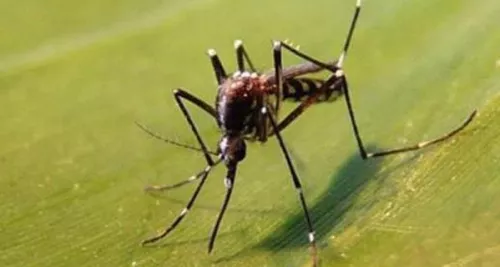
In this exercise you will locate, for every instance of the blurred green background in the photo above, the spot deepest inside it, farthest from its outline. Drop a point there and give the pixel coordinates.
(75, 75)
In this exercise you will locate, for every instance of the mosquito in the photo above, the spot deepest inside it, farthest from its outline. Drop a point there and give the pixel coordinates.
(246, 108)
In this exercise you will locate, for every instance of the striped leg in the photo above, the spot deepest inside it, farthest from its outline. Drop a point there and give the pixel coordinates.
(179, 96)
(203, 175)
(420, 145)
(229, 183)
(338, 79)
(330, 83)
(296, 183)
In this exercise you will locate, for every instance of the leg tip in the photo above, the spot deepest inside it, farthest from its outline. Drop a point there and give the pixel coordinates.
(474, 113)
(470, 118)
(149, 188)
(151, 240)
(211, 52)
(276, 44)
(238, 43)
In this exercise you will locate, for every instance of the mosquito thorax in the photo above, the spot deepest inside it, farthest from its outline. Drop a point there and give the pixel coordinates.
(244, 85)
(232, 149)
(237, 100)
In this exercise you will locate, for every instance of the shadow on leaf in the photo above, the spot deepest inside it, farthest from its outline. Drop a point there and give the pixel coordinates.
(329, 209)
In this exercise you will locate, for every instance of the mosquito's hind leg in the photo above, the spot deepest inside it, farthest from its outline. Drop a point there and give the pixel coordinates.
(420, 145)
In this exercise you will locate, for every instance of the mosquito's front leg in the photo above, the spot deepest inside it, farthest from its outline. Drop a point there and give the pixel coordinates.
(220, 73)
(242, 57)
(181, 95)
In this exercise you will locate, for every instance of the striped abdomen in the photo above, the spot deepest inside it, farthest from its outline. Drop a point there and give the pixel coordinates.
(297, 89)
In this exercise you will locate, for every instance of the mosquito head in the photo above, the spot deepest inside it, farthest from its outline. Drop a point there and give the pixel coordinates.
(232, 149)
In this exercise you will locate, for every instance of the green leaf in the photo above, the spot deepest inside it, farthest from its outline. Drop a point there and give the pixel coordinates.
(73, 165)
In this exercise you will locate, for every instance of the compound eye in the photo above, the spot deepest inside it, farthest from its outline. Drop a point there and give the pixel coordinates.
(239, 151)
(232, 149)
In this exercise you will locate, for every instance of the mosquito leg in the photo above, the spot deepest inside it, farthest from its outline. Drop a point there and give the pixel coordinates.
(203, 175)
(349, 34)
(296, 182)
(344, 51)
(332, 81)
(278, 73)
(362, 149)
(306, 103)
(345, 88)
(179, 95)
(428, 142)
(302, 55)
(220, 73)
(229, 183)
(339, 79)
(311, 99)
(179, 184)
(242, 57)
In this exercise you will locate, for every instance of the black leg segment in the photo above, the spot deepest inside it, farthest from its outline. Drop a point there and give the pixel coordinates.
(220, 73)
(242, 57)
(229, 183)
(420, 145)
(179, 96)
(296, 183)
